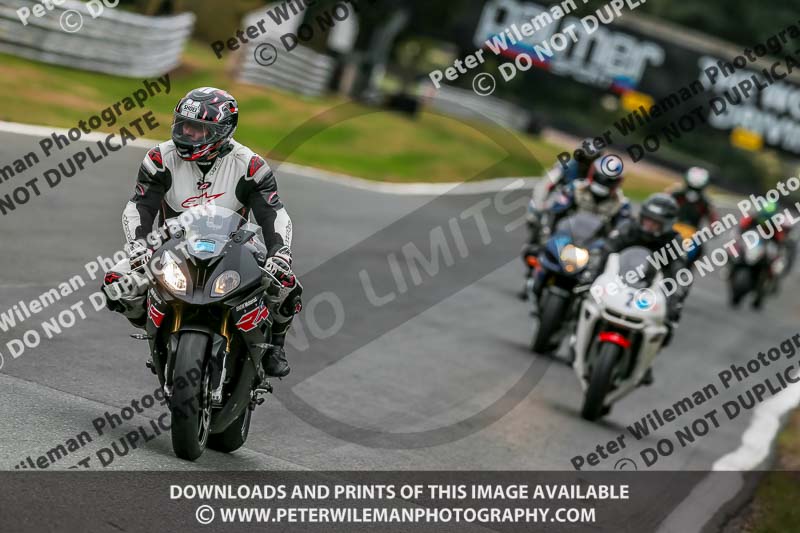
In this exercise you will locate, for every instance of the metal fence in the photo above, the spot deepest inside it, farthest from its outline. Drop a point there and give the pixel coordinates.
(115, 42)
(466, 104)
(300, 70)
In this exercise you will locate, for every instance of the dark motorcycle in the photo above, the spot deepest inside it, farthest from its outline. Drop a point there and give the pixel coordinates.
(558, 267)
(207, 321)
(756, 268)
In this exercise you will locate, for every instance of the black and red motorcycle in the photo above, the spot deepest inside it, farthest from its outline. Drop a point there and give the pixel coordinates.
(207, 321)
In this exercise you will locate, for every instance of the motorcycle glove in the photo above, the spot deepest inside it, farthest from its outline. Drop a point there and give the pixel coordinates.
(138, 254)
(278, 277)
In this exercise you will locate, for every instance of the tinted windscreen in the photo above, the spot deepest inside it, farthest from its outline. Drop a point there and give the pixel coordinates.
(582, 227)
(634, 260)
(208, 228)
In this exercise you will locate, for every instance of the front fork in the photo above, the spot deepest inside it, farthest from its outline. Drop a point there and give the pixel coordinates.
(252, 322)
(219, 354)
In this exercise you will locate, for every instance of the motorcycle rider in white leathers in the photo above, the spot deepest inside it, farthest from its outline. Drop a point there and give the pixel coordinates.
(202, 164)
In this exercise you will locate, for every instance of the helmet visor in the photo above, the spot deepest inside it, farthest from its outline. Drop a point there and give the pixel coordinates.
(195, 132)
(651, 225)
(599, 189)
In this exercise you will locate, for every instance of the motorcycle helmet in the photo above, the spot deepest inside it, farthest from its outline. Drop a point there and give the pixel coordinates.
(696, 178)
(602, 183)
(657, 216)
(204, 122)
(586, 159)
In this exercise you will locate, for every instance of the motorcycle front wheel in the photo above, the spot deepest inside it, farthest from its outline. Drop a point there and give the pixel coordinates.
(551, 318)
(600, 381)
(191, 398)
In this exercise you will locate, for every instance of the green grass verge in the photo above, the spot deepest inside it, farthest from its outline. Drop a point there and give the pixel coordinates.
(774, 508)
(372, 144)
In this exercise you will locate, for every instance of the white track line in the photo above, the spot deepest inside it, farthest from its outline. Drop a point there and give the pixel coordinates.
(44, 131)
(408, 189)
(715, 490)
(764, 427)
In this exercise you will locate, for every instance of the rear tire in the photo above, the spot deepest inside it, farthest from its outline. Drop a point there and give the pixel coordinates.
(551, 318)
(191, 398)
(600, 381)
(234, 436)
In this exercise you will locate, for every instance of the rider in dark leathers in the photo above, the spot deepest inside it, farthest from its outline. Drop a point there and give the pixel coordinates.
(652, 230)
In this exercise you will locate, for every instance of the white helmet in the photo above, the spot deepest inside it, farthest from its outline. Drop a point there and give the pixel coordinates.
(697, 178)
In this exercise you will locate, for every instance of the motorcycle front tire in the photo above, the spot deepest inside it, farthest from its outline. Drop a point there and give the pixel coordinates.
(551, 318)
(191, 398)
(600, 381)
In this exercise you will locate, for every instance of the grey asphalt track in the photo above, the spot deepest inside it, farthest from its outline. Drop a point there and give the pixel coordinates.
(447, 363)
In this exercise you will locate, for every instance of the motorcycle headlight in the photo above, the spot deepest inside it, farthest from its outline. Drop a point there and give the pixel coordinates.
(225, 283)
(574, 258)
(172, 276)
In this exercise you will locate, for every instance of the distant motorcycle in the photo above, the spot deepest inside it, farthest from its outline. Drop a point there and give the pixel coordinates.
(561, 262)
(207, 325)
(756, 267)
(621, 327)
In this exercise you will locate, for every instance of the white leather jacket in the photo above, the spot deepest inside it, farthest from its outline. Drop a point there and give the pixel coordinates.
(238, 179)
